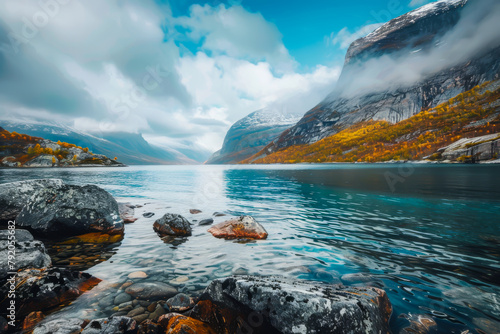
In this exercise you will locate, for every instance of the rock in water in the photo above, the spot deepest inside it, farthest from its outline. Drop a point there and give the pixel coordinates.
(113, 325)
(30, 253)
(172, 224)
(15, 195)
(180, 303)
(126, 212)
(295, 306)
(151, 291)
(71, 210)
(148, 214)
(194, 211)
(59, 326)
(244, 227)
(208, 221)
(179, 324)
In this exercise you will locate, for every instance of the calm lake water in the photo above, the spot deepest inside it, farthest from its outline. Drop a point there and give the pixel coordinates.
(428, 234)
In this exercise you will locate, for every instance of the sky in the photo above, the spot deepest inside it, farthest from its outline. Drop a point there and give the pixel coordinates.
(179, 72)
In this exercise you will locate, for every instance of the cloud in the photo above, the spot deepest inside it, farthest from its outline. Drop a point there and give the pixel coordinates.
(476, 32)
(344, 37)
(105, 66)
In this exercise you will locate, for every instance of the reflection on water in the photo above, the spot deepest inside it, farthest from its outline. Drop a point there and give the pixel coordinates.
(431, 240)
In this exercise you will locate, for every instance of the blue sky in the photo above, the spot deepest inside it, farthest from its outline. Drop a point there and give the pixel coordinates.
(179, 72)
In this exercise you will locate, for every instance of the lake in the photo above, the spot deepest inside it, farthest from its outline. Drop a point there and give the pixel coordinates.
(427, 234)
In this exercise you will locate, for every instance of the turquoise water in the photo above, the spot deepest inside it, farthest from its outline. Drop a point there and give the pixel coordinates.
(428, 234)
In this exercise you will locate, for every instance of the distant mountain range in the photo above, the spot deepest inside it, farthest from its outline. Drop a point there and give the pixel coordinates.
(251, 134)
(412, 63)
(130, 148)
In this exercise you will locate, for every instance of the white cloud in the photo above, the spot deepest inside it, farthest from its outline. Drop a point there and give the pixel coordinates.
(344, 37)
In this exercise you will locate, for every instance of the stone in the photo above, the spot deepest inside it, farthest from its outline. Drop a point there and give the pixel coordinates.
(179, 324)
(112, 325)
(41, 290)
(152, 307)
(15, 195)
(208, 221)
(172, 224)
(59, 326)
(296, 306)
(137, 274)
(136, 311)
(238, 228)
(151, 291)
(158, 312)
(419, 324)
(148, 214)
(179, 280)
(140, 318)
(149, 327)
(30, 253)
(218, 214)
(121, 299)
(194, 211)
(180, 303)
(71, 210)
(32, 320)
(126, 212)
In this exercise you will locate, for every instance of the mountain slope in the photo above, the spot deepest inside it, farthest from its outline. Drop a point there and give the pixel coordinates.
(440, 133)
(251, 134)
(128, 147)
(411, 63)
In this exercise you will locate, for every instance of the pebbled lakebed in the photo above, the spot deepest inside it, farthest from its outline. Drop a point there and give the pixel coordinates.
(429, 235)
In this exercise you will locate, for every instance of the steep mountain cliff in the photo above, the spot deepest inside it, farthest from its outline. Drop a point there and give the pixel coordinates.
(251, 134)
(409, 64)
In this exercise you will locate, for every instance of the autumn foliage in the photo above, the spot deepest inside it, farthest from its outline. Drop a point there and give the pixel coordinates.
(470, 114)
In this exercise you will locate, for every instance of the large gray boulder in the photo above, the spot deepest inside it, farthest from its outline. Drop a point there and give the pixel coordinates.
(30, 253)
(15, 195)
(295, 306)
(172, 225)
(71, 210)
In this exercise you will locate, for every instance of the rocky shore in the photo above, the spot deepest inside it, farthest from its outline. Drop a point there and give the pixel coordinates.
(62, 230)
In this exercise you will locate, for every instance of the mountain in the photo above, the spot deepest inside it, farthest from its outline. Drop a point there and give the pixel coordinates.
(21, 150)
(128, 147)
(412, 63)
(251, 134)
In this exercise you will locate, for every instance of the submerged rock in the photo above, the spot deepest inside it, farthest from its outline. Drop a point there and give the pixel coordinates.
(283, 305)
(15, 195)
(194, 211)
(180, 303)
(151, 291)
(208, 221)
(30, 253)
(148, 214)
(111, 326)
(126, 212)
(71, 210)
(244, 227)
(172, 224)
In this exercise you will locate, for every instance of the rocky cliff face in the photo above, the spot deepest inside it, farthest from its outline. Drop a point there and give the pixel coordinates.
(251, 134)
(411, 63)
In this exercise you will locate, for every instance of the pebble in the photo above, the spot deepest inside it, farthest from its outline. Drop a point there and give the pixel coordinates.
(148, 214)
(158, 312)
(138, 274)
(208, 221)
(136, 311)
(140, 318)
(122, 298)
(179, 280)
(152, 307)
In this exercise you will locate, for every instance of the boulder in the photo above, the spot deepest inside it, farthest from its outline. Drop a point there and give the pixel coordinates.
(244, 227)
(294, 306)
(43, 160)
(41, 290)
(151, 290)
(180, 303)
(59, 326)
(172, 224)
(179, 324)
(30, 253)
(15, 195)
(71, 210)
(117, 324)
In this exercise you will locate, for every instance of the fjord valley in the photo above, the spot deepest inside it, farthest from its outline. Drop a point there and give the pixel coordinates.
(286, 167)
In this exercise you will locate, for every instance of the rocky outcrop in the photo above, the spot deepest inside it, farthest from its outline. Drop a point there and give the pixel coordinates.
(41, 290)
(15, 195)
(172, 225)
(244, 227)
(279, 305)
(473, 149)
(371, 88)
(29, 253)
(251, 134)
(65, 210)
